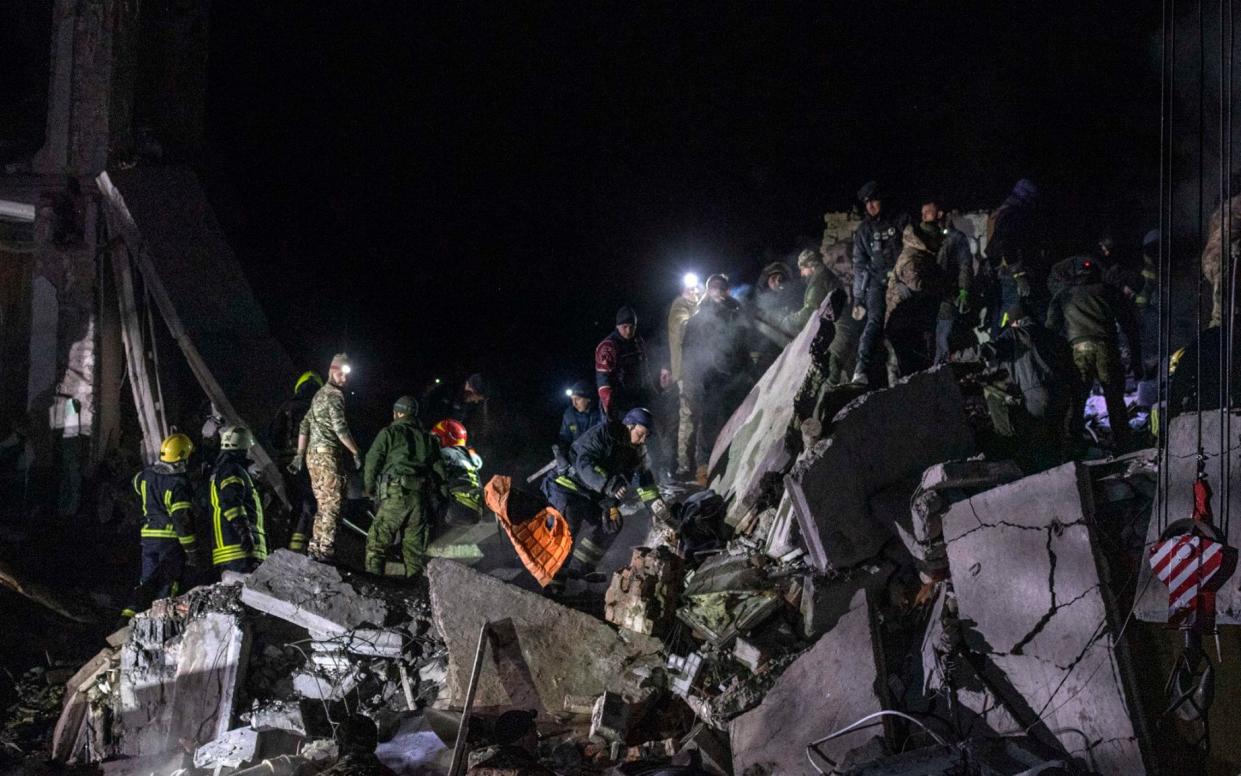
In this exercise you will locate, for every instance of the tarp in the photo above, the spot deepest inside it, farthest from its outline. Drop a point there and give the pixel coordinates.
(539, 533)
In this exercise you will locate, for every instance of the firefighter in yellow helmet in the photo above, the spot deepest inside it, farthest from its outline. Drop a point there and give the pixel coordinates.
(168, 540)
(239, 537)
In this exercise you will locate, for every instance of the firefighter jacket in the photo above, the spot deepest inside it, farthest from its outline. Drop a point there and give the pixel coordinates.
(324, 423)
(575, 423)
(876, 245)
(462, 466)
(621, 373)
(166, 504)
(238, 530)
(403, 452)
(604, 454)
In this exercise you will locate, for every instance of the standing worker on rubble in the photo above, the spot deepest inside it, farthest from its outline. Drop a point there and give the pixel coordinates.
(168, 539)
(404, 471)
(819, 283)
(679, 313)
(238, 533)
(956, 267)
(622, 374)
(1017, 252)
(282, 433)
(607, 462)
(1088, 312)
(323, 439)
(580, 416)
(876, 245)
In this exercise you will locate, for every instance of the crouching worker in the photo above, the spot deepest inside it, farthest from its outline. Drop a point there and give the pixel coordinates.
(239, 535)
(605, 464)
(461, 465)
(168, 540)
(403, 469)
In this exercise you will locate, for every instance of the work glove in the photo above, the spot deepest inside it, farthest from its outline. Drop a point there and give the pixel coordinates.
(661, 512)
(859, 312)
(357, 462)
(612, 519)
(963, 301)
(295, 466)
(616, 488)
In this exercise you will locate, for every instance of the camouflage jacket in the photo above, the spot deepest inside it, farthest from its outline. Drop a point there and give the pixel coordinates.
(324, 423)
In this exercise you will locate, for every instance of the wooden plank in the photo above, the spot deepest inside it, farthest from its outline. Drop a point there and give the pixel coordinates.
(150, 414)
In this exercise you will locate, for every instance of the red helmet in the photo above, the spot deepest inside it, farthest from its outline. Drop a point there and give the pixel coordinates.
(450, 433)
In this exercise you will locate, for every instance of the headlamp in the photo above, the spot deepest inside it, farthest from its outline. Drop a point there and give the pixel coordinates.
(345, 369)
(690, 280)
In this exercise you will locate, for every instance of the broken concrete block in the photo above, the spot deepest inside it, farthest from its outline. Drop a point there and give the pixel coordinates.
(824, 601)
(609, 717)
(1035, 616)
(749, 654)
(284, 716)
(117, 638)
(230, 750)
(1152, 606)
(783, 536)
(553, 650)
(67, 736)
(310, 594)
(184, 689)
(752, 443)
(325, 686)
(830, 486)
(643, 596)
(829, 686)
(713, 749)
(688, 671)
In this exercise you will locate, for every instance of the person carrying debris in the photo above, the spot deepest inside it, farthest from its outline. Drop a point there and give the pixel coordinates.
(323, 438)
(607, 461)
(282, 433)
(240, 538)
(168, 539)
(876, 245)
(715, 366)
(1032, 390)
(403, 472)
(1088, 312)
(679, 313)
(461, 468)
(580, 416)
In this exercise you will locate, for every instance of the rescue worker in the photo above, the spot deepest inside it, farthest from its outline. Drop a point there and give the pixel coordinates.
(775, 295)
(912, 298)
(622, 375)
(323, 439)
(1017, 252)
(580, 416)
(169, 543)
(404, 470)
(467, 404)
(956, 272)
(283, 433)
(1088, 312)
(607, 462)
(715, 367)
(876, 246)
(679, 312)
(238, 533)
(1032, 392)
(819, 282)
(461, 468)
(1213, 251)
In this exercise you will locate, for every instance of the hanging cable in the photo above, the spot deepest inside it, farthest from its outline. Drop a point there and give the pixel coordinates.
(1163, 403)
(1226, 226)
(1199, 389)
(1221, 284)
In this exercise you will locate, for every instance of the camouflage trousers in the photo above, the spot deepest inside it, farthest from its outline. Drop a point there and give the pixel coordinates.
(1100, 360)
(685, 433)
(328, 480)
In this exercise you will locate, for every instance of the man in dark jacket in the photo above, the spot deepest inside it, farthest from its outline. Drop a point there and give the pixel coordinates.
(956, 267)
(1017, 252)
(282, 433)
(607, 462)
(622, 374)
(1033, 390)
(580, 416)
(1087, 312)
(876, 246)
(403, 471)
(715, 366)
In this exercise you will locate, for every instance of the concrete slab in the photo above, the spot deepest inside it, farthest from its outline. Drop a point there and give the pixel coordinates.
(310, 594)
(830, 686)
(542, 651)
(751, 444)
(830, 486)
(1152, 606)
(1035, 616)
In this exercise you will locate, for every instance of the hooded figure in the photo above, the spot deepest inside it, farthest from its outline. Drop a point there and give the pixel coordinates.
(1016, 251)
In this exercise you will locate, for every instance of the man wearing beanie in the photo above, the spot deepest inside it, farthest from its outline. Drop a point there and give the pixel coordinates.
(622, 375)
(876, 245)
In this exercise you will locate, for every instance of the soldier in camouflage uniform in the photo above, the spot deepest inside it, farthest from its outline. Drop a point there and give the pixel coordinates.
(1213, 251)
(323, 440)
(403, 470)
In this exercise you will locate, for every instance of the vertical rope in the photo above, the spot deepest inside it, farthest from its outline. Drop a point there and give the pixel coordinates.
(1227, 31)
(1225, 325)
(1166, 244)
(1201, 174)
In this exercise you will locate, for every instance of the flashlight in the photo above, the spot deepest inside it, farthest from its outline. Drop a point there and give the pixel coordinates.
(690, 280)
(568, 392)
(438, 381)
(345, 369)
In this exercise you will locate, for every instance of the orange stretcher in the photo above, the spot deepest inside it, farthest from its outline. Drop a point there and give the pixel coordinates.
(539, 533)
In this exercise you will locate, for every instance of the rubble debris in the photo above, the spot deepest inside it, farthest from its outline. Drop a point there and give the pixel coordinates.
(242, 746)
(313, 595)
(643, 596)
(69, 735)
(609, 717)
(1037, 626)
(285, 716)
(831, 484)
(749, 654)
(752, 443)
(555, 651)
(827, 688)
(824, 600)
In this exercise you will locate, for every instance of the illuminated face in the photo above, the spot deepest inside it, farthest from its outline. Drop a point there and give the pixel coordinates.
(806, 271)
(638, 434)
(774, 281)
(873, 206)
(930, 213)
(581, 403)
(717, 291)
(339, 375)
(627, 330)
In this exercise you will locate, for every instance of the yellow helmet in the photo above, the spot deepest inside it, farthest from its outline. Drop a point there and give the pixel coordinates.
(305, 378)
(175, 448)
(1175, 360)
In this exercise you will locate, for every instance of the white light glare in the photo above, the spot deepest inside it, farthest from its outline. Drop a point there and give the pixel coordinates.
(346, 369)
(690, 280)
(568, 392)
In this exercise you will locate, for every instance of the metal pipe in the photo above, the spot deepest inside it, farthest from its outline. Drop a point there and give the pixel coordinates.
(458, 751)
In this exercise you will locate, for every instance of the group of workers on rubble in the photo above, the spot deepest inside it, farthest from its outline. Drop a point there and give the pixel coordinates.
(912, 294)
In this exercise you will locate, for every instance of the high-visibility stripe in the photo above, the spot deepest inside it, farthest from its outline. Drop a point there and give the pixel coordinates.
(565, 482)
(215, 516)
(186, 541)
(233, 512)
(127, 612)
(229, 553)
(158, 533)
(466, 499)
(234, 480)
(178, 505)
(648, 494)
